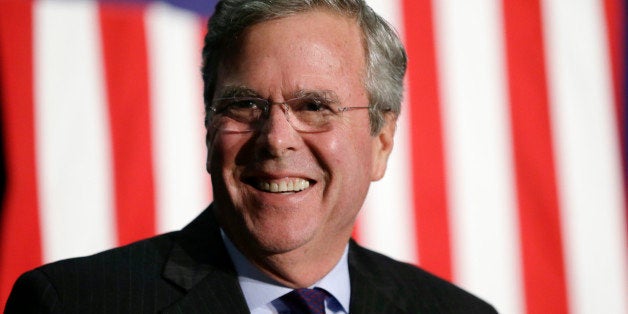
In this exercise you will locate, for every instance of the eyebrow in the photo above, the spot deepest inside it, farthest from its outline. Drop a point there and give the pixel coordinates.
(238, 91)
(243, 91)
(328, 96)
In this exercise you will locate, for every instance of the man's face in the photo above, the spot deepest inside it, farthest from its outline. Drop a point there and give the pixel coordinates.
(277, 60)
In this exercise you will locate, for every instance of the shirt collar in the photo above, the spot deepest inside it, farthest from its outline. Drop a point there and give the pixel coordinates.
(260, 290)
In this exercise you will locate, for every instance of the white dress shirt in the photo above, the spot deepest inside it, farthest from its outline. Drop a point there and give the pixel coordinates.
(262, 293)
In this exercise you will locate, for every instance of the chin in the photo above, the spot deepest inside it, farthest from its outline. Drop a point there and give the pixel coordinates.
(282, 238)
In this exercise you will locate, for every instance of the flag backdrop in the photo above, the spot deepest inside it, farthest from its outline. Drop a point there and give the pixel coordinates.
(507, 178)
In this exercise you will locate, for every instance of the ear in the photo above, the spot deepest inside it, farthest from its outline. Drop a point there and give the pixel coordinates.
(382, 146)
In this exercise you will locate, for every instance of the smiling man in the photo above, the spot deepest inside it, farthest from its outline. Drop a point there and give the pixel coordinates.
(300, 136)
(302, 98)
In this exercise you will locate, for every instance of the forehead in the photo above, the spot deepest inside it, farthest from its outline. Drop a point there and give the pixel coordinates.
(311, 50)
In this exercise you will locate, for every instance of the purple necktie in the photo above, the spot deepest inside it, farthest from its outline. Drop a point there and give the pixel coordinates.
(307, 301)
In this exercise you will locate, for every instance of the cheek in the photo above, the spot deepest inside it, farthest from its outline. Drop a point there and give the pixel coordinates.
(333, 148)
(346, 157)
(222, 153)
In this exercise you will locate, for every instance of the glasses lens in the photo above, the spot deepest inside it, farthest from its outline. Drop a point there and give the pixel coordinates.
(311, 114)
(237, 114)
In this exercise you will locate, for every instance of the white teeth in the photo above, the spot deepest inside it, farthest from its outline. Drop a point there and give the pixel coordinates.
(288, 185)
(305, 184)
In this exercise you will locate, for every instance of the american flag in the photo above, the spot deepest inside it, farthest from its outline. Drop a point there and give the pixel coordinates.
(508, 175)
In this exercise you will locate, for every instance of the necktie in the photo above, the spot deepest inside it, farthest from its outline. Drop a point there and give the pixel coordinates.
(306, 301)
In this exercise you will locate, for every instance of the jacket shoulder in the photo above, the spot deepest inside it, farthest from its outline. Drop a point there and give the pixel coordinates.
(412, 287)
(115, 281)
(141, 257)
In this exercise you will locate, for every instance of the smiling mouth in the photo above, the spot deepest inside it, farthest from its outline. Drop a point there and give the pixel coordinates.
(284, 185)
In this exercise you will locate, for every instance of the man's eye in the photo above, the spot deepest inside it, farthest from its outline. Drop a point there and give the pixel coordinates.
(312, 105)
(243, 104)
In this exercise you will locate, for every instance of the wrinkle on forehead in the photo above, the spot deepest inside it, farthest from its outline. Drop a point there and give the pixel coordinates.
(332, 46)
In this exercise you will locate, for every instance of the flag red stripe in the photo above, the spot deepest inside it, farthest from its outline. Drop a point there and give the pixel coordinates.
(615, 32)
(613, 10)
(428, 168)
(126, 71)
(539, 218)
(20, 246)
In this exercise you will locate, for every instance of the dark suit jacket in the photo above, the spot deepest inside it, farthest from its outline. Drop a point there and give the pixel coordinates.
(189, 271)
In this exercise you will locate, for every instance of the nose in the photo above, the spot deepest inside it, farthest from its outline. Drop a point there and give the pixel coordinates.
(284, 107)
(277, 136)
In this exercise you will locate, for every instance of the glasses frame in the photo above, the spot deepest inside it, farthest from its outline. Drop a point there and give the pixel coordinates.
(286, 107)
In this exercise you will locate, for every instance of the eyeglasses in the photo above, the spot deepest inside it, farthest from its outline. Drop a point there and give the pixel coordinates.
(305, 114)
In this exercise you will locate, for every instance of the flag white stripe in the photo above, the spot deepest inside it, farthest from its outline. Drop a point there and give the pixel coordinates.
(477, 143)
(588, 156)
(182, 184)
(388, 217)
(72, 131)
(390, 10)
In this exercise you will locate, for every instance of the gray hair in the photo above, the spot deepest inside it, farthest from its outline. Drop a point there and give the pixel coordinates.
(385, 56)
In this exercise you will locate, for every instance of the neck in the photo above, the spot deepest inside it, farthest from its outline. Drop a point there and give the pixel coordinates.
(299, 268)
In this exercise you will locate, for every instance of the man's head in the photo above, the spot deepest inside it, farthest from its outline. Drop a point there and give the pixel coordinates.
(385, 55)
(293, 174)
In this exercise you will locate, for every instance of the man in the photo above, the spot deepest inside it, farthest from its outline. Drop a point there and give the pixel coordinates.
(302, 98)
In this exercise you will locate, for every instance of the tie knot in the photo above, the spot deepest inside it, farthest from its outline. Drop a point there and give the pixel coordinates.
(310, 301)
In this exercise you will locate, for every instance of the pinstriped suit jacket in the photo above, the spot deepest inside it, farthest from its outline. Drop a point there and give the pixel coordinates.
(189, 271)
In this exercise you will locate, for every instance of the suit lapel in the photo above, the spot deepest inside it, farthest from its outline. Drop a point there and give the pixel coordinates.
(215, 293)
(199, 265)
(369, 294)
